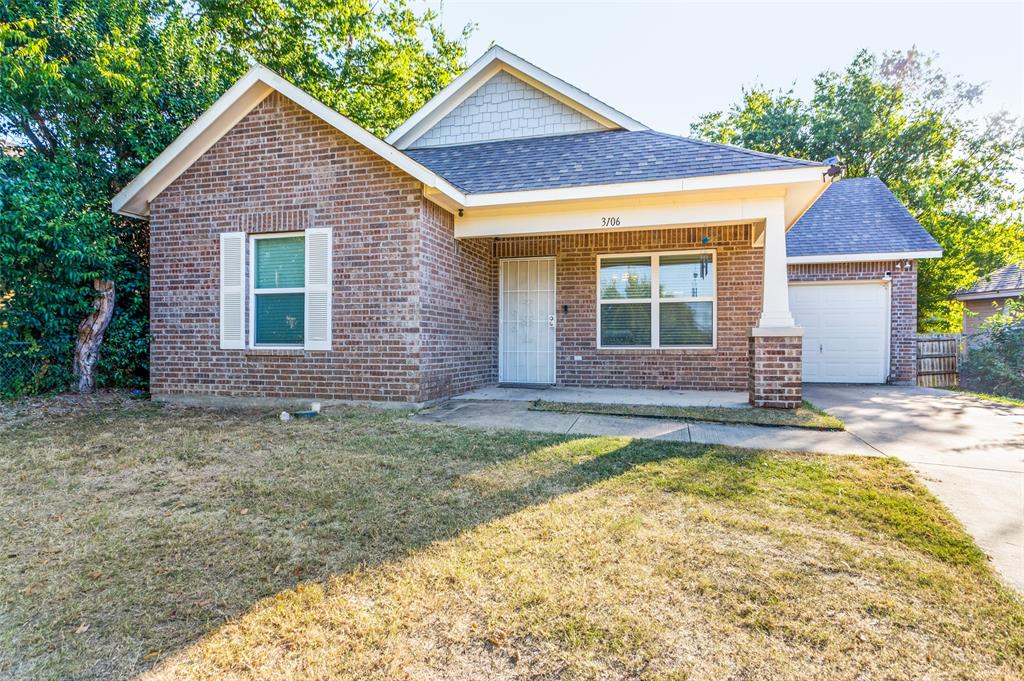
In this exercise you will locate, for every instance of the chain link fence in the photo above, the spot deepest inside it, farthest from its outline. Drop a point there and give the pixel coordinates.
(27, 367)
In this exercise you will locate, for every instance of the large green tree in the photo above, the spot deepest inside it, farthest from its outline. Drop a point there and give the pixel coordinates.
(92, 90)
(903, 119)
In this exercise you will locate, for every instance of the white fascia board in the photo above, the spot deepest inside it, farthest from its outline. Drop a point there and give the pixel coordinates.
(479, 72)
(985, 295)
(226, 112)
(861, 257)
(703, 183)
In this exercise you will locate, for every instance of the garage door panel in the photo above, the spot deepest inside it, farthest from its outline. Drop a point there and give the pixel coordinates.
(845, 331)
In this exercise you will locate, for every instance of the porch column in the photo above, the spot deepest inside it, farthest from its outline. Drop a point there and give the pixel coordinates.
(776, 344)
(775, 289)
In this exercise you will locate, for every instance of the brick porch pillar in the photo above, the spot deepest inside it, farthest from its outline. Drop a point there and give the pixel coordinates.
(775, 370)
(776, 345)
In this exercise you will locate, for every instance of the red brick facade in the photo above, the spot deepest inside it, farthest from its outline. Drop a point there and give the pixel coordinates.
(415, 312)
(774, 372)
(458, 308)
(903, 298)
(739, 268)
(283, 169)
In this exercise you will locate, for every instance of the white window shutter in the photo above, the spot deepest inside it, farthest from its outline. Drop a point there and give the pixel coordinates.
(319, 282)
(232, 290)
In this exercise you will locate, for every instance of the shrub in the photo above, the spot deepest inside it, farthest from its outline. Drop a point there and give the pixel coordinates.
(996, 363)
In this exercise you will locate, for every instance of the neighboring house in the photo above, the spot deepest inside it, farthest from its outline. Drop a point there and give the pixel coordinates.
(991, 295)
(513, 230)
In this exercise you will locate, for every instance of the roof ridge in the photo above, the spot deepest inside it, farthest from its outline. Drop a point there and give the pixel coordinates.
(732, 147)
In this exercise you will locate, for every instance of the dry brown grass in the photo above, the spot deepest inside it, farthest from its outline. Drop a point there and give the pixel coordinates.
(229, 545)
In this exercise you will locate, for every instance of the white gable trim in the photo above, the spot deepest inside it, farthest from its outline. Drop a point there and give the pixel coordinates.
(498, 59)
(226, 112)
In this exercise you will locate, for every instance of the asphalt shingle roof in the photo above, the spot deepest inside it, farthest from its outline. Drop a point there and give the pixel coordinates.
(1008, 278)
(857, 215)
(605, 157)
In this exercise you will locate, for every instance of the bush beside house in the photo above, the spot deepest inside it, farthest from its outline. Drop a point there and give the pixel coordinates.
(994, 362)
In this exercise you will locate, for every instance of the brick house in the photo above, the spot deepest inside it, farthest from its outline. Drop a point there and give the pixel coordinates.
(513, 230)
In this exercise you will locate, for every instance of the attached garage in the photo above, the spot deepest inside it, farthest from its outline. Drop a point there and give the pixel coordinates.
(846, 330)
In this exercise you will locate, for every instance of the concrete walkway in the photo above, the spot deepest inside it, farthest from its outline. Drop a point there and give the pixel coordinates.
(516, 415)
(969, 452)
(663, 398)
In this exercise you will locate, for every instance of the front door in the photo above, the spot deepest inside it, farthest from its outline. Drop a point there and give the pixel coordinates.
(526, 316)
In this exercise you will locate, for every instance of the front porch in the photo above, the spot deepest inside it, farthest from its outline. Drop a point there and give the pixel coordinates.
(682, 290)
(672, 316)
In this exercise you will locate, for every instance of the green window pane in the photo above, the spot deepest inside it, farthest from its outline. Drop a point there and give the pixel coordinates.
(626, 324)
(280, 318)
(686, 276)
(684, 324)
(625, 278)
(280, 263)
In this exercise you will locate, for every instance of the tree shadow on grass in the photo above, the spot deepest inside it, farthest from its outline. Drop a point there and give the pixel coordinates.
(132, 534)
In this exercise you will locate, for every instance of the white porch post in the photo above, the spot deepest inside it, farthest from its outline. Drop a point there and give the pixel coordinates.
(775, 314)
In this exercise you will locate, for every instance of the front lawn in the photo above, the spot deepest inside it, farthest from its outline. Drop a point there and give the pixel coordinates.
(201, 544)
(804, 416)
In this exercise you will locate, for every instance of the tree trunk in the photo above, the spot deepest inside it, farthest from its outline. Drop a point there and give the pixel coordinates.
(90, 335)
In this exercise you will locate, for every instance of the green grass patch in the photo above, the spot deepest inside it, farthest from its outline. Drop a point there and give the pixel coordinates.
(999, 399)
(805, 416)
(183, 543)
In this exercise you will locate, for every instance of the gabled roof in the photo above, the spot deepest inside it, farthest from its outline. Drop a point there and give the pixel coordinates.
(226, 112)
(858, 219)
(591, 158)
(1005, 282)
(479, 72)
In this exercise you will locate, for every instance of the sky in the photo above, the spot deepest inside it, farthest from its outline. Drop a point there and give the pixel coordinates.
(666, 63)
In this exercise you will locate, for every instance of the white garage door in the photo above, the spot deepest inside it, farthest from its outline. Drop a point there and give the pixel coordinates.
(845, 331)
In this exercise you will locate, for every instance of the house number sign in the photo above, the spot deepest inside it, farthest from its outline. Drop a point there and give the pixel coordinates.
(611, 221)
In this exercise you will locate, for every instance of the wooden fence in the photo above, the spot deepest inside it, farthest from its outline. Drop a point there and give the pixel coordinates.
(938, 357)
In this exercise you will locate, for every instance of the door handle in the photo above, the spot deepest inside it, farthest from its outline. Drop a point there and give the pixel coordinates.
(551, 320)
(820, 348)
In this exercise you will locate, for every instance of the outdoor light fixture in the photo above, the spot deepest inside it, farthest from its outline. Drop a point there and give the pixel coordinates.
(835, 167)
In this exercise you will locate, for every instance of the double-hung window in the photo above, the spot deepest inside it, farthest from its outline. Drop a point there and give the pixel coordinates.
(657, 300)
(278, 289)
(288, 279)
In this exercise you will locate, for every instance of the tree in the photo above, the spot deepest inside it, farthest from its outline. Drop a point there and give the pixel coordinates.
(901, 118)
(92, 90)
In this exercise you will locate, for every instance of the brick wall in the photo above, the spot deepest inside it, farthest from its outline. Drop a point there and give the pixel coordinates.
(903, 292)
(459, 322)
(774, 376)
(739, 304)
(282, 169)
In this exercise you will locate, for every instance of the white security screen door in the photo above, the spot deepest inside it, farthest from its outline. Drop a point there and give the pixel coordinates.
(526, 315)
(846, 331)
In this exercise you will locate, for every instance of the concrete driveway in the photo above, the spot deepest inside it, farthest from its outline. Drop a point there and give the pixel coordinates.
(969, 452)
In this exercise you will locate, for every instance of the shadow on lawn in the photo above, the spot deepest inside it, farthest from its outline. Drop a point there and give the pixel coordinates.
(168, 522)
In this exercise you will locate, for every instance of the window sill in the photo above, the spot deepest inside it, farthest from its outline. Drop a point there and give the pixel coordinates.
(641, 348)
(275, 352)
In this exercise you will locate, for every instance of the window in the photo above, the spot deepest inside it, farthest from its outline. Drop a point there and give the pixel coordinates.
(657, 300)
(278, 290)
